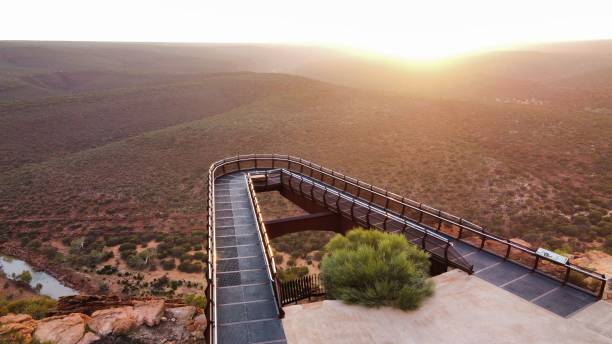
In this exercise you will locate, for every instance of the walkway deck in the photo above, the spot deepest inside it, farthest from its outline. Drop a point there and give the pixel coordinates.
(531, 286)
(246, 310)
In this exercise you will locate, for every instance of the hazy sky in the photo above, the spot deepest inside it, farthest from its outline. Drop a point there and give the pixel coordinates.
(428, 28)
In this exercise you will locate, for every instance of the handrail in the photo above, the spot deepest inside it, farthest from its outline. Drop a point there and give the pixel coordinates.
(428, 238)
(267, 247)
(299, 165)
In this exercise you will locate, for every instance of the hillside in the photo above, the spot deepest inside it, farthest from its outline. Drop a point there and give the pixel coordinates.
(106, 157)
(44, 128)
(520, 170)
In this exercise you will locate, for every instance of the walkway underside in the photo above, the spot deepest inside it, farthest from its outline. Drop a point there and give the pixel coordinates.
(244, 303)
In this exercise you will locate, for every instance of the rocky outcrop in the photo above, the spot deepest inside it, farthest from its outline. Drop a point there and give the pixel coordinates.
(174, 324)
(17, 325)
(87, 304)
(68, 329)
(14, 318)
(88, 338)
(113, 320)
(182, 313)
(149, 312)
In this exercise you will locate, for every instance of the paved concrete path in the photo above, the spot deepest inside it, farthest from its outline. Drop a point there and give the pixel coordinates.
(463, 309)
(246, 310)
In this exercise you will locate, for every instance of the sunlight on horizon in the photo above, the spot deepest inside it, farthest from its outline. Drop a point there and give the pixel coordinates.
(414, 30)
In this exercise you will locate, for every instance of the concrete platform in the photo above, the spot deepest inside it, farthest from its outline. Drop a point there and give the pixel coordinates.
(464, 309)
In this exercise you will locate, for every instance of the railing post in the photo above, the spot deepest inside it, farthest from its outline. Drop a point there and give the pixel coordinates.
(446, 251)
(300, 186)
(386, 219)
(567, 274)
(535, 265)
(386, 199)
(421, 214)
(324, 194)
(312, 193)
(508, 249)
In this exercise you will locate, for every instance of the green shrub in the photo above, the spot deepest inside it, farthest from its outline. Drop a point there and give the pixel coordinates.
(38, 307)
(127, 247)
(190, 266)
(168, 264)
(107, 270)
(292, 273)
(201, 256)
(195, 300)
(25, 277)
(374, 269)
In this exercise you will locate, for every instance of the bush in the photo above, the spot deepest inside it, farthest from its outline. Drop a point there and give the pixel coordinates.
(190, 266)
(375, 269)
(38, 307)
(168, 264)
(201, 256)
(136, 262)
(127, 247)
(195, 300)
(292, 273)
(25, 277)
(107, 270)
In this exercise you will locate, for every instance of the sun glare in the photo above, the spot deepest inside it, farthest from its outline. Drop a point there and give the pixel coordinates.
(419, 30)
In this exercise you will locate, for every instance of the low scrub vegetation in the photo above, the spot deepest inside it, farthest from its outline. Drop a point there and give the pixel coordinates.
(38, 307)
(374, 268)
(292, 273)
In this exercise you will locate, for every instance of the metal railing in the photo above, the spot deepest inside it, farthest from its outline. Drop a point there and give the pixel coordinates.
(430, 218)
(301, 288)
(267, 247)
(371, 216)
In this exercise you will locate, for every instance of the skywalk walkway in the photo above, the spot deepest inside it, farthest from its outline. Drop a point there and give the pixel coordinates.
(244, 302)
(246, 309)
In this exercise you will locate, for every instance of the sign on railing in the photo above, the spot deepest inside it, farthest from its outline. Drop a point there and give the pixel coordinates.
(552, 255)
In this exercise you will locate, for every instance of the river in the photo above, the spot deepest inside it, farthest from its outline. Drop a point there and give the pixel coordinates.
(50, 285)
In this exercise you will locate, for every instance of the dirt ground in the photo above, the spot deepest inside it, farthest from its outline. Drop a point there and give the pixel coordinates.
(149, 276)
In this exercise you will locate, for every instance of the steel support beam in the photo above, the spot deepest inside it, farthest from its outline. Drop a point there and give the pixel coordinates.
(321, 221)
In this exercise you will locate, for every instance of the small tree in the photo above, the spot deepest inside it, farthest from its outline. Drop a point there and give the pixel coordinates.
(25, 277)
(375, 269)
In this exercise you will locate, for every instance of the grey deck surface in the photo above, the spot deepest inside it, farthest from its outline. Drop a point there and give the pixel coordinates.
(246, 310)
(531, 286)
